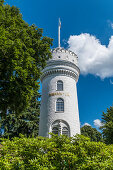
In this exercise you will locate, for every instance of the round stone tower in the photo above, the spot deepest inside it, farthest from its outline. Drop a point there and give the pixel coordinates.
(59, 105)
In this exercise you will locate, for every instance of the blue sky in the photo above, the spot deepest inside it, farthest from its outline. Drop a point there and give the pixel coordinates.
(87, 29)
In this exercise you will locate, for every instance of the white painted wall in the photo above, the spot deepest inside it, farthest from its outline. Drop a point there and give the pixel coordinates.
(48, 112)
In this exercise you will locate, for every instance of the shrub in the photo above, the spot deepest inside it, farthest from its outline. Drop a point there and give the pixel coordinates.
(56, 153)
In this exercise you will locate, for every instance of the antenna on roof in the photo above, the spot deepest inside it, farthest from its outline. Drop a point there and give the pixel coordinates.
(59, 26)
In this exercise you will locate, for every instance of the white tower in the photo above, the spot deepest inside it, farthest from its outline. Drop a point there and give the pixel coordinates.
(59, 105)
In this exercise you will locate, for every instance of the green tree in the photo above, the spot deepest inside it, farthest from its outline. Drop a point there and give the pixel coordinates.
(107, 126)
(23, 53)
(26, 123)
(92, 133)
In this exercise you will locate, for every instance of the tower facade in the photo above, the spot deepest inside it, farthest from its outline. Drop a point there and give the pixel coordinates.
(59, 104)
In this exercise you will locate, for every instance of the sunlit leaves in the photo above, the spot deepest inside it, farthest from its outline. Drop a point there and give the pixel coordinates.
(92, 133)
(23, 54)
(55, 153)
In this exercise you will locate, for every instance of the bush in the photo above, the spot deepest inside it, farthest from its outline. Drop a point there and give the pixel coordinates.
(56, 153)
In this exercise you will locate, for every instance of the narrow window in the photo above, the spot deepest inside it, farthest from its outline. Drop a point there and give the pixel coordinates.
(65, 131)
(60, 105)
(59, 85)
(55, 130)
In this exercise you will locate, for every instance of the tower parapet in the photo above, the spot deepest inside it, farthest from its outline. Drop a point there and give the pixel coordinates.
(64, 54)
(62, 61)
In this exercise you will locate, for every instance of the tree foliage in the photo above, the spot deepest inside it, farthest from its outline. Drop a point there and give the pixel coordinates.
(23, 54)
(56, 153)
(26, 123)
(92, 133)
(107, 126)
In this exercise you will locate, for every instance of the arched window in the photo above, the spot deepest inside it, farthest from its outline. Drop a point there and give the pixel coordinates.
(59, 105)
(55, 130)
(60, 85)
(60, 127)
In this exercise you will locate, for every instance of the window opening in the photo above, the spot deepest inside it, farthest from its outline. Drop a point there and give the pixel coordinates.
(59, 85)
(60, 105)
(60, 127)
(65, 131)
(55, 130)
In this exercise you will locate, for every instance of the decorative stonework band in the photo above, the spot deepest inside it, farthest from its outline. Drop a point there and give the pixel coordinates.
(62, 63)
(61, 72)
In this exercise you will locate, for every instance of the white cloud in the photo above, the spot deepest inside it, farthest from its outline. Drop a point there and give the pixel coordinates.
(97, 123)
(111, 82)
(93, 57)
(110, 23)
(87, 124)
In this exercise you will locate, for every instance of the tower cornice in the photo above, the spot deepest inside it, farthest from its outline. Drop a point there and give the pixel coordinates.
(62, 63)
(60, 71)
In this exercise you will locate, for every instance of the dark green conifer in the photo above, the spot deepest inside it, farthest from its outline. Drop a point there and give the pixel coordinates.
(26, 123)
(107, 126)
